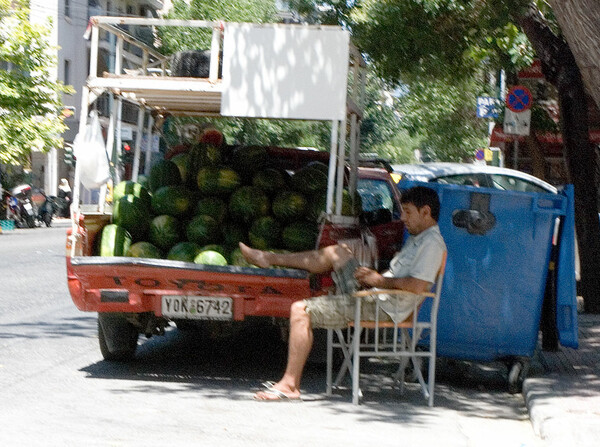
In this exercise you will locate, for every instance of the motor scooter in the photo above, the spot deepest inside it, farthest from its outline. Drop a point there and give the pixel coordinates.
(22, 206)
(47, 209)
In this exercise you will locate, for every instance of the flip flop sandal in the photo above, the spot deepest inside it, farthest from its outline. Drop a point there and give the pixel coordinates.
(280, 396)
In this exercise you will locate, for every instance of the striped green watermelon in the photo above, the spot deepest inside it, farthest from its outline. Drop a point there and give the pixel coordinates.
(165, 231)
(349, 208)
(236, 258)
(133, 214)
(182, 161)
(217, 181)
(215, 247)
(248, 203)
(234, 233)
(143, 250)
(310, 179)
(184, 251)
(130, 187)
(265, 233)
(213, 207)
(164, 173)
(172, 200)
(300, 236)
(270, 180)
(114, 241)
(247, 160)
(210, 257)
(289, 206)
(203, 230)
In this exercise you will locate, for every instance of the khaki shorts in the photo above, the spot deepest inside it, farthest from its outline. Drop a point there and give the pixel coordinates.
(336, 311)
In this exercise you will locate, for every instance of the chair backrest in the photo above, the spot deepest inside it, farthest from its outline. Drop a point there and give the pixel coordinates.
(439, 282)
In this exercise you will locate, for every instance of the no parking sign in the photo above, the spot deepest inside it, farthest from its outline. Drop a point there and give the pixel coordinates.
(519, 99)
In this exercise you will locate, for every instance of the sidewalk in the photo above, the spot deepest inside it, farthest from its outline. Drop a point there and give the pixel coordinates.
(564, 399)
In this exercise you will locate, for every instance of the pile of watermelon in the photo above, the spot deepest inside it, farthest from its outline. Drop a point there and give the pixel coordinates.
(200, 201)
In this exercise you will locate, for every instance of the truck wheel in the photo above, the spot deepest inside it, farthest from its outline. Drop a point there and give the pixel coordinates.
(117, 337)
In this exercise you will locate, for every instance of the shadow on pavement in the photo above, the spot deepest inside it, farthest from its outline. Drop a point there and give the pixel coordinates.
(234, 368)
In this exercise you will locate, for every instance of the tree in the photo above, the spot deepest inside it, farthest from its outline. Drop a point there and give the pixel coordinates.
(449, 40)
(30, 100)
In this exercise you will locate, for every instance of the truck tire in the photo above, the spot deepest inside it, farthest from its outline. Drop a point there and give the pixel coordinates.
(117, 337)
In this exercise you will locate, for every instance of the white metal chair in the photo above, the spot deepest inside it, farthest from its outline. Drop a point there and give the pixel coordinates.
(367, 338)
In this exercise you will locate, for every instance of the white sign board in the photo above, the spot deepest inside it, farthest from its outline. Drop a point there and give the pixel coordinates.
(284, 71)
(517, 123)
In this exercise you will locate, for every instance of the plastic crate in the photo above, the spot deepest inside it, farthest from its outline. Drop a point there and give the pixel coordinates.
(7, 225)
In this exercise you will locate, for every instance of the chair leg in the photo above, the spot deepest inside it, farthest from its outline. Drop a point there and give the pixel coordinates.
(329, 371)
(356, 366)
(431, 382)
(346, 351)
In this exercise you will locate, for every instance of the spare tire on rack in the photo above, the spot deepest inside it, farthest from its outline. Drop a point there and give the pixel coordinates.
(193, 64)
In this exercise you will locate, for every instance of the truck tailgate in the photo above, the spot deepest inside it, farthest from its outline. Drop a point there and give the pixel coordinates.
(120, 284)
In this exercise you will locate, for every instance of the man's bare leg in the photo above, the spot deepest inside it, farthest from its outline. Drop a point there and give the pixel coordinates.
(315, 261)
(300, 344)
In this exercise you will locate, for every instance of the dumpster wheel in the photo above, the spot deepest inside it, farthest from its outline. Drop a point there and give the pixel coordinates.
(517, 371)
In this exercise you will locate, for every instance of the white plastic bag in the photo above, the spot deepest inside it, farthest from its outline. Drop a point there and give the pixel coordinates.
(90, 151)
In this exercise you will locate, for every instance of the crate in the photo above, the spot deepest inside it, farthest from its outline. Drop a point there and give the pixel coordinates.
(7, 225)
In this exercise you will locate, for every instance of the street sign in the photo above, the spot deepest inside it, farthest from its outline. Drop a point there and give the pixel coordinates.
(487, 107)
(479, 154)
(519, 99)
(517, 123)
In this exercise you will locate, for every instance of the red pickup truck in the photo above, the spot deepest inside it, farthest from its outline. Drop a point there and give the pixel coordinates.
(137, 295)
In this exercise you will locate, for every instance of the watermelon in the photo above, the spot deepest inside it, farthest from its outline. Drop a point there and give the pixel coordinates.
(176, 150)
(115, 241)
(265, 233)
(213, 207)
(182, 161)
(319, 202)
(212, 137)
(143, 250)
(165, 231)
(234, 233)
(270, 180)
(131, 187)
(236, 258)
(248, 203)
(289, 206)
(164, 173)
(184, 251)
(172, 200)
(210, 257)
(300, 236)
(143, 180)
(247, 160)
(132, 213)
(217, 181)
(309, 179)
(203, 230)
(215, 247)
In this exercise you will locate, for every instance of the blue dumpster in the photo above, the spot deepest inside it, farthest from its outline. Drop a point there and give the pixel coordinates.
(499, 246)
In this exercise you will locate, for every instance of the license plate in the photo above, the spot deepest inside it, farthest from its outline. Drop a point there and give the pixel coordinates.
(197, 307)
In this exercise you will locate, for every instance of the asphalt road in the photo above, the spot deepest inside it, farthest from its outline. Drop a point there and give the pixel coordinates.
(187, 389)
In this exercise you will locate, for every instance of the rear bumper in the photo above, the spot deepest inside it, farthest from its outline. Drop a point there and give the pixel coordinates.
(100, 284)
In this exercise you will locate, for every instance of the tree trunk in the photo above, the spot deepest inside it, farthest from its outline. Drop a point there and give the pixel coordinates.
(580, 23)
(559, 67)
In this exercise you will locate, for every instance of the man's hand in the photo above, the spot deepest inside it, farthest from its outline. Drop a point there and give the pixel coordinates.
(368, 277)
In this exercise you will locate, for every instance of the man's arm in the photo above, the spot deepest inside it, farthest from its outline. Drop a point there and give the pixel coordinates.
(371, 278)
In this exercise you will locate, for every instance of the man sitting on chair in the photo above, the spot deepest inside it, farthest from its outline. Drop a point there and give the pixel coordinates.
(413, 270)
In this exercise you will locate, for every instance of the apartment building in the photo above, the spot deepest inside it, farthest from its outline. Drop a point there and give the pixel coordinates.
(69, 20)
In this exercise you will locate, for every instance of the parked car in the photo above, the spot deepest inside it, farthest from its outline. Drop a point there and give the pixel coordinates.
(472, 174)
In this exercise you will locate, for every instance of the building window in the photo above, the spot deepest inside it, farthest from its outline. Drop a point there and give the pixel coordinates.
(67, 74)
(67, 8)
(130, 10)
